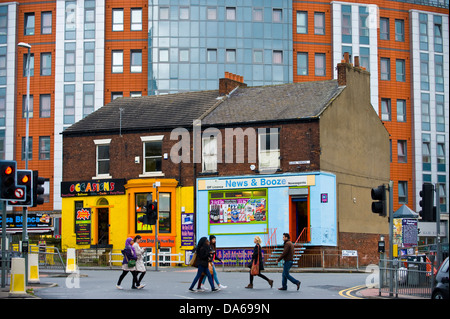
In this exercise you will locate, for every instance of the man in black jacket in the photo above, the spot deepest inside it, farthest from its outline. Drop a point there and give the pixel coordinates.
(288, 256)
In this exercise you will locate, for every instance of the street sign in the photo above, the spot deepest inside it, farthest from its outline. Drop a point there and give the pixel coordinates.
(349, 253)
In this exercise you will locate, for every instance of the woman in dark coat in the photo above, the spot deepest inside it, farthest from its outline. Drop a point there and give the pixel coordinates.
(257, 255)
(203, 257)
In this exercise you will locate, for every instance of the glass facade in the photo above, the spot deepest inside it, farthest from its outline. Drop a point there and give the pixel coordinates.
(193, 43)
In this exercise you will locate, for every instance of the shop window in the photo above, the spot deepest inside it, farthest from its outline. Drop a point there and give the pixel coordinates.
(164, 213)
(238, 207)
(140, 210)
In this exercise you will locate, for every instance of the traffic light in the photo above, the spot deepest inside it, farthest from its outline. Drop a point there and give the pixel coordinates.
(8, 188)
(379, 196)
(38, 189)
(25, 179)
(426, 202)
(152, 212)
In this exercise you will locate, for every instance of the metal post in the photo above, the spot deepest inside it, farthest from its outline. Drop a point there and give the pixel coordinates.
(3, 203)
(156, 228)
(391, 225)
(438, 227)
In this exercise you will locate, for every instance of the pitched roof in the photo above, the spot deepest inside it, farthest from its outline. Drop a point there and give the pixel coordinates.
(147, 113)
(279, 102)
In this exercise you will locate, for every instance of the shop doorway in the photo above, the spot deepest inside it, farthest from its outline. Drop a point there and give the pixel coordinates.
(103, 227)
(300, 218)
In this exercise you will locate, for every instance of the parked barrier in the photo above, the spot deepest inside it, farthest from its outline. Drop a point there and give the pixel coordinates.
(17, 285)
(33, 268)
(71, 261)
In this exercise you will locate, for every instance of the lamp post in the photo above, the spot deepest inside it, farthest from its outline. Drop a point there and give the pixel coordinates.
(27, 132)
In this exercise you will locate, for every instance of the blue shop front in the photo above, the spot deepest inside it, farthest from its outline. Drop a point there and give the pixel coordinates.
(237, 208)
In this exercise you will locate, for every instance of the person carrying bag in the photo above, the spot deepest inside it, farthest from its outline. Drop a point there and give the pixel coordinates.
(257, 264)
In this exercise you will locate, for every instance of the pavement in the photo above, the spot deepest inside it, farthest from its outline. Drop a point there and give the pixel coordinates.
(365, 293)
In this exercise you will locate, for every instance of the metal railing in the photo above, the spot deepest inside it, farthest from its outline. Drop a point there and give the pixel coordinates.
(405, 278)
(165, 258)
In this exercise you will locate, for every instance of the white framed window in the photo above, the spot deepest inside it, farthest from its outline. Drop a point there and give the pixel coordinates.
(136, 61)
(136, 19)
(117, 61)
(269, 149)
(152, 155)
(231, 13)
(102, 159)
(209, 154)
(117, 19)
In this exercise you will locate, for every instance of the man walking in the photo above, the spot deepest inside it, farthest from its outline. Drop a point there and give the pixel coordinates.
(288, 256)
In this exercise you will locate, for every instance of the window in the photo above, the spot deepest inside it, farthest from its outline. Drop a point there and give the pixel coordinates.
(30, 148)
(69, 104)
(439, 72)
(399, 30)
(440, 113)
(424, 78)
(385, 69)
(437, 29)
(89, 61)
(24, 107)
(69, 61)
(230, 56)
(136, 19)
(136, 61)
(319, 64)
(401, 110)
(425, 105)
(423, 31)
(117, 19)
(426, 150)
(163, 13)
(384, 28)
(141, 209)
(117, 61)
(46, 64)
(212, 55)
(152, 154)
(269, 148)
(46, 22)
(29, 23)
(89, 19)
(258, 14)
(116, 95)
(211, 13)
(385, 109)
(319, 23)
(277, 57)
(363, 27)
(302, 22)
(70, 20)
(400, 70)
(302, 63)
(209, 150)
(88, 99)
(44, 147)
(364, 57)
(164, 213)
(2, 112)
(277, 15)
(25, 64)
(184, 55)
(440, 139)
(230, 13)
(44, 105)
(346, 27)
(103, 160)
(442, 197)
(163, 55)
(401, 151)
(402, 192)
(184, 13)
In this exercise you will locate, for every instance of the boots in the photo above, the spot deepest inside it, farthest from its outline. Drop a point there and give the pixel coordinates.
(250, 286)
(270, 283)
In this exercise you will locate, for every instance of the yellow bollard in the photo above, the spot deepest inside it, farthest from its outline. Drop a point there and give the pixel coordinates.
(71, 262)
(33, 268)
(17, 276)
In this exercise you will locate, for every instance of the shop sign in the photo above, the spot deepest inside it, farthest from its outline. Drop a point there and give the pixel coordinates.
(93, 188)
(34, 220)
(231, 256)
(83, 226)
(256, 182)
(149, 241)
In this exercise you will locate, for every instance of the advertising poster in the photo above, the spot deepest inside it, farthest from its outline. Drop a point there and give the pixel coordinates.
(187, 229)
(409, 230)
(83, 226)
(238, 210)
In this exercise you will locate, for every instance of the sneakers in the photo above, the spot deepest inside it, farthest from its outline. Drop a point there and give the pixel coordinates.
(215, 289)
(222, 286)
(119, 287)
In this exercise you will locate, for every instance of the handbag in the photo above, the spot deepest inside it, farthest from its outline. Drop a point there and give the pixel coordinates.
(131, 263)
(193, 261)
(255, 267)
(210, 267)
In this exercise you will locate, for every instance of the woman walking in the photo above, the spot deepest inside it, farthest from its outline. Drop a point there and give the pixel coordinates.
(203, 257)
(201, 282)
(140, 266)
(257, 260)
(128, 254)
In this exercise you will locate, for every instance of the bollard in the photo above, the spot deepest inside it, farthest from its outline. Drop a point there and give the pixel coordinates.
(71, 264)
(17, 276)
(33, 268)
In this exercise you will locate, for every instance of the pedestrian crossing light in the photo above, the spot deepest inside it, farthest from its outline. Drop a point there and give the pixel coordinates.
(152, 212)
(426, 202)
(379, 196)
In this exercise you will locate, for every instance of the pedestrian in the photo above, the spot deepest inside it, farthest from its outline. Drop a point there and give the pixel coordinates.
(201, 282)
(203, 258)
(288, 256)
(128, 254)
(140, 266)
(257, 260)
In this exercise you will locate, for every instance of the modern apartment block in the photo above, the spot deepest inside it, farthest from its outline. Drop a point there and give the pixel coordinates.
(85, 53)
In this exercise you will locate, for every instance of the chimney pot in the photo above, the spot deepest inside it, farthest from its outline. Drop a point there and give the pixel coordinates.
(357, 61)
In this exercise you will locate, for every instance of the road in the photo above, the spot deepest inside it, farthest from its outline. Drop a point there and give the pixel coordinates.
(173, 283)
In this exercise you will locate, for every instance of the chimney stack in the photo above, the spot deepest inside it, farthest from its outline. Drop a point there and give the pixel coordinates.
(230, 82)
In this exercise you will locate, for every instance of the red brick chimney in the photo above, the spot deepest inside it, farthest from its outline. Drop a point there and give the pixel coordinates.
(342, 69)
(230, 82)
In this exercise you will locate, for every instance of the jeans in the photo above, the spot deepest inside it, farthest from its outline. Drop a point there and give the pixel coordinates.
(214, 276)
(199, 273)
(285, 276)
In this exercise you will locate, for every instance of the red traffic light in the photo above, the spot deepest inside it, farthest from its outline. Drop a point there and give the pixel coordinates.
(9, 170)
(25, 179)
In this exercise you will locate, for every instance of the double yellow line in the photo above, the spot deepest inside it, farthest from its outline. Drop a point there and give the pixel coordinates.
(347, 293)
